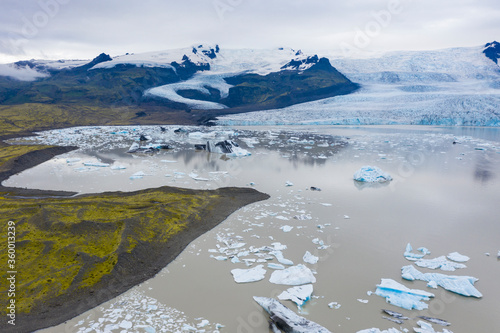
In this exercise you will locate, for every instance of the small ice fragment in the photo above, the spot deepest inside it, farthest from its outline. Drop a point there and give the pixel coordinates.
(293, 276)
(277, 246)
(399, 295)
(427, 328)
(326, 204)
(299, 295)
(275, 266)
(303, 217)
(395, 314)
(498, 255)
(362, 300)
(334, 305)
(126, 324)
(377, 330)
(310, 259)
(432, 284)
(118, 167)
(371, 174)
(435, 320)
(189, 328)
(455, 256)
(463, 285)
(288, 183)
(424, 250)
(138, 175)
(72, 160)
(235, 260)
(219, 258)
(346, 217)
(249, 275)
(96, 164)
(410, 255)
(286, 228)
(203, 323)
(280, 258)
(283, 218)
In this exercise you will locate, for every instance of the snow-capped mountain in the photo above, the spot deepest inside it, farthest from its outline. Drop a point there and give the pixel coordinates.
(458, 86)
(200, 77)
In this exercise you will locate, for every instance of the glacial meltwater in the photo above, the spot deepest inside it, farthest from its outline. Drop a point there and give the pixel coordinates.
(444, 196)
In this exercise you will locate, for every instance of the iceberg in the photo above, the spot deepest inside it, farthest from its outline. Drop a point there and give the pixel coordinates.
(293, 276)
(96, 164)
(299, 295)
(435, 320)
(249, 275)
(455, 256)
(399, 295)
(371, 174)
(377, 330)
(286, 228)
(439, 262)
(462, 285)
(310, 258)
(427, 328)
(286, 320)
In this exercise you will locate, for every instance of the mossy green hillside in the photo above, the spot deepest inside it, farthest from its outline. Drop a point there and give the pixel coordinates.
(66, 244)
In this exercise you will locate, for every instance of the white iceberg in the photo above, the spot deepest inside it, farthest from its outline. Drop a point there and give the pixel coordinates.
(293, 276)
(299, 295)
(462, 285)
(455, 256)
(439, 262)
(377, 330)
(399, 295)
(310, 258)
(371, 174)
(288, 320)
(249, 275)
(427, 328)
(138, 175)
(96, 164)
(286, 228)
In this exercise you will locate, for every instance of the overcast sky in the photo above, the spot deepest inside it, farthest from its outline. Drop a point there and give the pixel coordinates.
(81, 29)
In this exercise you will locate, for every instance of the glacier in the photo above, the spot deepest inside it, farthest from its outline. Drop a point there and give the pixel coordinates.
(457, 86)
(399, 295)
(462, 285)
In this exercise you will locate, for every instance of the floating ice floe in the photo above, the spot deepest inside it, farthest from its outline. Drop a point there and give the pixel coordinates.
(371, 174)
(138, 175)
(334, 305)
(303, 217)
(288, 183)
(198, 178)
(96, 164)
(118, 167)
(399, 295)
(275, 266)
(310, 258)
(439, 262)
(455, 256)
(435, 320)
(414, 256)
(377, 330)
(249, 275)
(279, 256)
(286, 228)
(427, 328)
(395, 317)
(286, 319)
(299, 295)
(293, 276)
(462, 285)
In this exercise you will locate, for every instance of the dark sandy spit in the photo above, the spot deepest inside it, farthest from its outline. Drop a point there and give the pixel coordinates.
(132, 269)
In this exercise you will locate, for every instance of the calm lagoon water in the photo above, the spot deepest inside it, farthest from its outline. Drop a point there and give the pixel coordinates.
(445, 196)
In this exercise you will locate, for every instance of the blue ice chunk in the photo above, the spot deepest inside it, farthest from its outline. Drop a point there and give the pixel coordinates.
(377, 330)
(399, 295)
(371, 174)
(462, 285)
(410, 255)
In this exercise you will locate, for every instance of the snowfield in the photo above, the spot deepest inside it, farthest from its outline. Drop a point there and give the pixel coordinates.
(458, 86)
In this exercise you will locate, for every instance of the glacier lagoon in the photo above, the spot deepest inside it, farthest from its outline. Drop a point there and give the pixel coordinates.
(443, 196)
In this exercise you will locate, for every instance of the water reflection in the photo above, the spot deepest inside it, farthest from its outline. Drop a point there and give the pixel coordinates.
(484, 169)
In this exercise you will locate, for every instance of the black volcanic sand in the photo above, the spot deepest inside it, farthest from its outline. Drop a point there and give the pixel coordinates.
(145, 261)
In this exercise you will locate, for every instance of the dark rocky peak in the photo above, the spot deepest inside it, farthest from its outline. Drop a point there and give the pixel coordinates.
(301, 64)
(207, 51)
(492, 51)
(103, 57)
